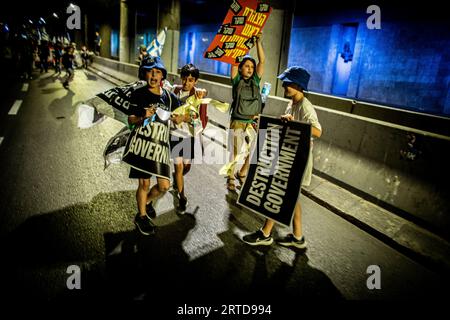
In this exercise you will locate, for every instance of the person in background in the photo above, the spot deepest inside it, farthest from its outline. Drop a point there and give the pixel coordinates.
(44, 53)
(98, 43)
(67, 61)
(142, 53)
(57, 54)
(84, 56)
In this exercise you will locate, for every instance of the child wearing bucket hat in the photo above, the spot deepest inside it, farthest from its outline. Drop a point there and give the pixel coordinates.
(295, 83)
(144, 103)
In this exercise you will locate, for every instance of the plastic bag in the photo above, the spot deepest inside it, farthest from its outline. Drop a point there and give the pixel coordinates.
(115, 147)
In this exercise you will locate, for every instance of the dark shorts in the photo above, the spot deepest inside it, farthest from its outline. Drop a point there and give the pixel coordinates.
(182, 148)
(137, 174)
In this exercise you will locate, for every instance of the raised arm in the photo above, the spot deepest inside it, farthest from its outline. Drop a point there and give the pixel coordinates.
(261, 56)
(234, 71)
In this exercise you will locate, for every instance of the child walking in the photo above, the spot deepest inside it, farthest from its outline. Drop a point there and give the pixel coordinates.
(245, 108)
(184, 134)
(295, 82)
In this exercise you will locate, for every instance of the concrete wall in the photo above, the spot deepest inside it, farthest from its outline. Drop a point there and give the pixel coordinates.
(123, 71)
(105, 34)
(169, 16)
(377, 158)
(404, 64)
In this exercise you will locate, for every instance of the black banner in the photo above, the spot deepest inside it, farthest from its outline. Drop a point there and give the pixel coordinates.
(147, 149)
(276, 170)
(119, 97)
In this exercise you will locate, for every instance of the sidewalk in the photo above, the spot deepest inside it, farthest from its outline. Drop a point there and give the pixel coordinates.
(405, 236)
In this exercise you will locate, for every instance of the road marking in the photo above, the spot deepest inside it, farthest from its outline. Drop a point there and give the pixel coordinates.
(15, 107)
(1, 140)
(25, 87)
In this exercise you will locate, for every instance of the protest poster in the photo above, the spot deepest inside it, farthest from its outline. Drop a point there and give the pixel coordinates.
(147, 149)
(113, 103)
(119, 97)
(245, 19)
(276, 169)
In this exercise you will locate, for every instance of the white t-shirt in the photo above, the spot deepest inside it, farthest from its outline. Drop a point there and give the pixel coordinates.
(304, 111)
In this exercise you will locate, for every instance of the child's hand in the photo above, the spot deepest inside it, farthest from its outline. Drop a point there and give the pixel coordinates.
(177, 118)
(149, 112)
(258, 36)
(187, 118)
(287, 117)
(200, 93)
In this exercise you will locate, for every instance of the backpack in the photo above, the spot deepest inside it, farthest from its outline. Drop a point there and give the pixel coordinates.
(247, 100)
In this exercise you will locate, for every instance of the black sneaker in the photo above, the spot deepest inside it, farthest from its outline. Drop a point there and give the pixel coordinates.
(151, 212)
(182, 204)
(258, 238)
(291, 241)
(144, 224)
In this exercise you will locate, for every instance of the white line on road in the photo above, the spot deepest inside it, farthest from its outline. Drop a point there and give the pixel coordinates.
(25, 87)
(1, 140)
(15, 107)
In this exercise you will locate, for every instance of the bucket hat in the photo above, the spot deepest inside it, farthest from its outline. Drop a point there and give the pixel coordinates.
(297, 75)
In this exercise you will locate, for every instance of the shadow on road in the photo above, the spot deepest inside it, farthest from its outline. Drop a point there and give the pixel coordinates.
(62, 106)
(37, 252)
(89, 76)
(149, 268)
(145, 267)
(51, 90)
(124, 265)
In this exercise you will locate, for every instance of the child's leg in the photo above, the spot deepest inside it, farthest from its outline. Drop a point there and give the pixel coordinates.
(268, 226)
(297, 224)
(251, 141)
(234, 145)
(159, 189)
(232, 140)
(71, 75)
(186, 166)
(141, 195)
(179, 166)
(245, 167)
(188, 154)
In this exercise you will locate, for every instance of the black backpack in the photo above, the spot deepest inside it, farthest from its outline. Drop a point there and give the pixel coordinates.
(246, 100)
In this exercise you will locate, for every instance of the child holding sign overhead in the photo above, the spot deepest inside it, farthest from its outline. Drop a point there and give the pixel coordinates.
(245, 108)
(295, 82)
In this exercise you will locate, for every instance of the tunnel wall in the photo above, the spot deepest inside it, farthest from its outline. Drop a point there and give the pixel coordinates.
(394, 165)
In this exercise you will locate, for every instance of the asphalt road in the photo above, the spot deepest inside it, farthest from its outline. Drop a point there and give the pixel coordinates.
(59, 207)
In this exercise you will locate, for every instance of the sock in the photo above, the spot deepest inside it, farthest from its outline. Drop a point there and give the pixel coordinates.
(297, 237)
(265, 235)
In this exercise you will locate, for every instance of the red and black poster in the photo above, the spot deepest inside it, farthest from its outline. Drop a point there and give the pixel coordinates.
(274, 179)
(245, 19)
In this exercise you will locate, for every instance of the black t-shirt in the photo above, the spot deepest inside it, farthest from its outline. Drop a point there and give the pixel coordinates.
(142, 98)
